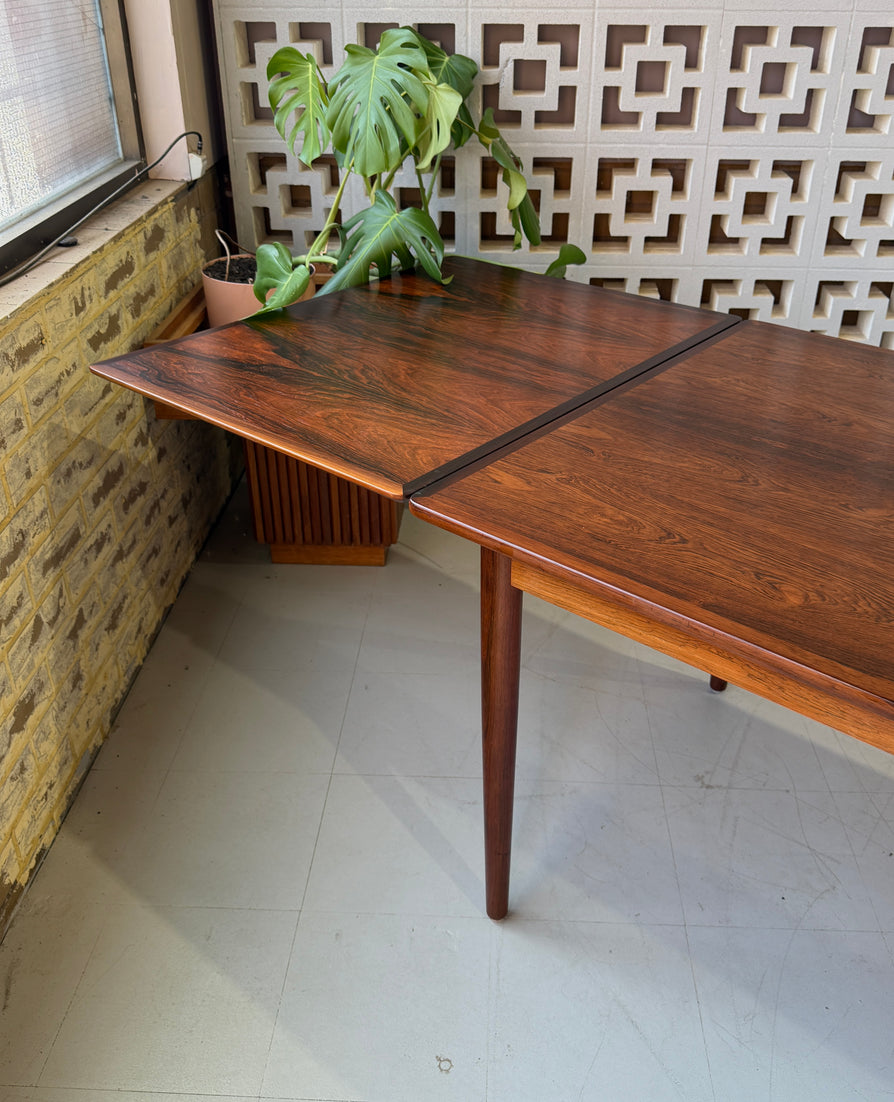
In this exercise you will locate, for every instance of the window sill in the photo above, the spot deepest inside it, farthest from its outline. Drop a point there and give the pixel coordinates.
(99, 231)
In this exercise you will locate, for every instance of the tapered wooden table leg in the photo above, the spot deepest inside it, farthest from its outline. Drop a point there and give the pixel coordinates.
(501, 606)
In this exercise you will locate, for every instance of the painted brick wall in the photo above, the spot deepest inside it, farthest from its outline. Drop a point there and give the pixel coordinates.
(103, 511)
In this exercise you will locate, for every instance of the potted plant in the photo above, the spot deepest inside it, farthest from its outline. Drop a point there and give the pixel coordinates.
(229, 284)
(407, 100)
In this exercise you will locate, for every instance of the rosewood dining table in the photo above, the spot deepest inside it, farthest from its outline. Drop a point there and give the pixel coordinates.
(721, 490)
(733, 508)
(397, 383)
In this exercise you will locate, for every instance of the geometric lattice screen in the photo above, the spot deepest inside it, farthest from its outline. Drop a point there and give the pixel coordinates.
(740, 161)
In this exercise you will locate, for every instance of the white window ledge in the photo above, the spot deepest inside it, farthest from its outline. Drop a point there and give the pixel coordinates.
(93, 235)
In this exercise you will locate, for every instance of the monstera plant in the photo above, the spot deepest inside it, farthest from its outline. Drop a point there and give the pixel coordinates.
(407, 100)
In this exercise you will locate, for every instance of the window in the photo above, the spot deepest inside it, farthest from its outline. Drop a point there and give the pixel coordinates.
(68, 128)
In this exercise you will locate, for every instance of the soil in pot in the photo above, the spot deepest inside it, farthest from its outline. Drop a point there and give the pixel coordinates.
(241, 269)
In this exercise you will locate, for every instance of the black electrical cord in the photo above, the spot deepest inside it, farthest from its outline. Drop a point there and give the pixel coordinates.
(27, 265)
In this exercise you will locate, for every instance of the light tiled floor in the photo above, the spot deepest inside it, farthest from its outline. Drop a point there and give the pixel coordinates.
(270, 885)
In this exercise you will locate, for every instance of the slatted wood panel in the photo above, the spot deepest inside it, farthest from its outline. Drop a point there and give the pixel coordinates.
(308, 515)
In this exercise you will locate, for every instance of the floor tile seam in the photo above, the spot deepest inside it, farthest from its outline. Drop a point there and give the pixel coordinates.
(673, 854)
(706, 1049)
(788, 791)
(802, 922)
(266, 667)
(86, 959)
(420, 558)
(682, 905)
(163, 908)
(586, 783)
(806, 735)
(293, 1098)
(119, 906)
(862, 790)
(867, 886)
(521, 776)
(242, 772)
(411, 677)
(740, 730)
(512, 920)
(838, 739)
(90, 1094)
(494, 951)
(566, 681)
(238, 602)
(640, 677)
(885, 815)
(285, 979)
(797, 928)
(346, 706)
(325, 803)
(338, 772)
(472, 915)
(187, 723)
(428, 780)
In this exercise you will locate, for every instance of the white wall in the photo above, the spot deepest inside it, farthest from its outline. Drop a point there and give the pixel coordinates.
(172, 58)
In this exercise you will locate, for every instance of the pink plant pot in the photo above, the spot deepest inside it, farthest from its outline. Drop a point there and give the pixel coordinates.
(226, 302)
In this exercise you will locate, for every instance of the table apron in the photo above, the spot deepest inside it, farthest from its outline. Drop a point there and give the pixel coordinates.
(845, 707)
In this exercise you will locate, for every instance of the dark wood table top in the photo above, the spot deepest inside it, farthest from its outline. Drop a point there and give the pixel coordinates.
(394, 384)
(744, 491)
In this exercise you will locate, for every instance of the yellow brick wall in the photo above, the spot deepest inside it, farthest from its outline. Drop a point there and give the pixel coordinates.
(102, 511)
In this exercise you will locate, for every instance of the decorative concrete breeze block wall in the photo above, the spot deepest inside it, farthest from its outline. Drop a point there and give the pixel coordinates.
(738, 159)
(104, 510)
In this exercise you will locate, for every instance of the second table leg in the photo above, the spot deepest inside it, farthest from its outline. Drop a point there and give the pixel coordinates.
(501, 605)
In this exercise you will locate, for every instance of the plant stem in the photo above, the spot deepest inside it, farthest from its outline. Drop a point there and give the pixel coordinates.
(318, 247)
(429, 192)
(387, 185)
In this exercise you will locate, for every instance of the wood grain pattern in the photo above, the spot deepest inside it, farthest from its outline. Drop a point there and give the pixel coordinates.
(839, 704)
(743, 497)
(501, 606)
(395, 383)
(164, 412)
(285, 516)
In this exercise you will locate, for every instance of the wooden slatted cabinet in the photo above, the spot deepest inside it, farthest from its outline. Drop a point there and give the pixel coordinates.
(310, 516)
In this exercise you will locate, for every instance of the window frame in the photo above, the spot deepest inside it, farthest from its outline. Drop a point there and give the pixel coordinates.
(43, 226)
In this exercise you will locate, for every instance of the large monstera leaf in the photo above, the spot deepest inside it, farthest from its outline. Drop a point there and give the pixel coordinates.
(459, 72)
(443, 104)
(380, 233)
(277, 273)
(377, 99)
(295, 87)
